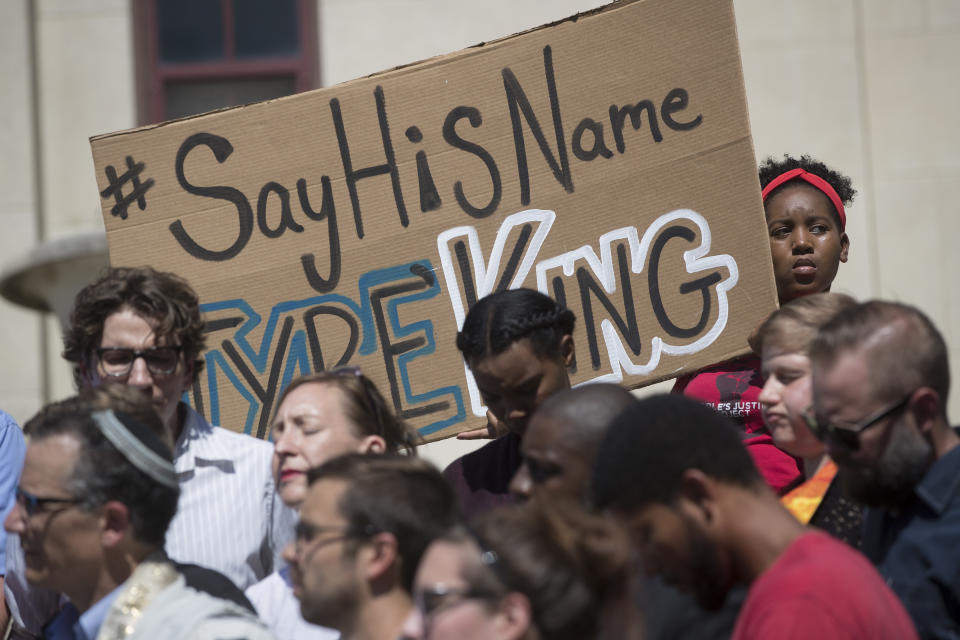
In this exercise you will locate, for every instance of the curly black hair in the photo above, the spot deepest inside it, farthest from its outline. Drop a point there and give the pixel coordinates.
(770, 169)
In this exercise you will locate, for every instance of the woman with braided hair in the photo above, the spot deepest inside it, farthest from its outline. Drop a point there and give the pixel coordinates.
(518, 345)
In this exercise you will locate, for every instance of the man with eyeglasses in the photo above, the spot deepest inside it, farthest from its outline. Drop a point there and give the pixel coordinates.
(97, 493)
(880, 384)
(364, 524)
(143, 328)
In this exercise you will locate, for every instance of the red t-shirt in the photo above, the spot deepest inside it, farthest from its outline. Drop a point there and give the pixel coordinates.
(733, 389)
(822, 588)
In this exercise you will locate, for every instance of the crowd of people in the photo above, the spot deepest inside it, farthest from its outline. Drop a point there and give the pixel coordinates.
(827, 509)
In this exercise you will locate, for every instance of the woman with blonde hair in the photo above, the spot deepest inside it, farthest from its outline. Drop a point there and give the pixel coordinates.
(783, 341)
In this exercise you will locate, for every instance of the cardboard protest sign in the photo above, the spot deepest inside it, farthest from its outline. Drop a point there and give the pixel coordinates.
(605, 160)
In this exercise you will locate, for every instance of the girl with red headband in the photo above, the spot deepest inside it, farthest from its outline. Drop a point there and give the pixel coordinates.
(804, 201)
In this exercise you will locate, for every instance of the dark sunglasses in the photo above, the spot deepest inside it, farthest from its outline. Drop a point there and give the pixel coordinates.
(848, 436)
(118, 361)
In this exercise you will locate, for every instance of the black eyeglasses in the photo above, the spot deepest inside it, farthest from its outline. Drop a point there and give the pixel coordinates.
(33, 504)
(305, 534)
(846, 436)
(118, 361)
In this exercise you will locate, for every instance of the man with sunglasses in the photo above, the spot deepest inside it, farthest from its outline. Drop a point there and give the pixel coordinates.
(880, 384)
(143, 328)
(364, 523)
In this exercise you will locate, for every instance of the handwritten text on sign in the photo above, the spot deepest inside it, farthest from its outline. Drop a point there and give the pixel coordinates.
(359, 223)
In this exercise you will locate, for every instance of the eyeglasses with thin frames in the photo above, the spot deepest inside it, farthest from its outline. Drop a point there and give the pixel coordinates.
(34, 504)
(117, 362)
(305, 534)
(848, 436)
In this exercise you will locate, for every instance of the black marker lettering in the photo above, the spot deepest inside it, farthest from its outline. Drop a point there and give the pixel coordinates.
(221, 149)
(599, 147)
(313, 334)
(454, 140)
(353, 176)
(653, 279)
(675, 101)
(618, 117)
(392, 350)
(265, 395)
(286, 215)
(518, 103)
(327, 211)
(629, 328)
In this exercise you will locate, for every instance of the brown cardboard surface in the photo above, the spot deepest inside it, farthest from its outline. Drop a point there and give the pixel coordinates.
(355, 224)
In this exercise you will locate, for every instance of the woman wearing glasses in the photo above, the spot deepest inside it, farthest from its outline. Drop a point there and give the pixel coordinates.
(544, 571)
(783, 341)
(319, 417)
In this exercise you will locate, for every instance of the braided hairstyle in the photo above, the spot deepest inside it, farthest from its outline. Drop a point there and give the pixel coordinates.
(770, 169)
(498, 320)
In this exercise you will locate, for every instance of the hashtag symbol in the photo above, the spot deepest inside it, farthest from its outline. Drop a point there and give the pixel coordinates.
(115, 188)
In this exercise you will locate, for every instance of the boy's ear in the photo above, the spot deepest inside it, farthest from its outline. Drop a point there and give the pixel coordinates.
(699, 497)
(566, 349)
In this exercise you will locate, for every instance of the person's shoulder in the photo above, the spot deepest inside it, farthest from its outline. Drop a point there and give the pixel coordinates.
(186, 613)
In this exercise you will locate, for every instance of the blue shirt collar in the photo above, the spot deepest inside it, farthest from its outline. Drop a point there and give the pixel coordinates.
(91, 619)
(941, 482)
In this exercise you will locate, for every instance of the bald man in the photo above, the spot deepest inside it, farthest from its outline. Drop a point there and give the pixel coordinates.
(559, 448)
(562, 439)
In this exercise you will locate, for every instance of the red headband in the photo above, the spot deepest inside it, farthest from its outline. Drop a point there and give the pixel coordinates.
(813, 180)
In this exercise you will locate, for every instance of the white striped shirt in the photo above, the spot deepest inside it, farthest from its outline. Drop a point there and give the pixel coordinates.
(229, 517)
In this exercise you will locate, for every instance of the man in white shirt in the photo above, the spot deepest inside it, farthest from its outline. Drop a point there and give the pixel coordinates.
(143, 328)
(96, 495)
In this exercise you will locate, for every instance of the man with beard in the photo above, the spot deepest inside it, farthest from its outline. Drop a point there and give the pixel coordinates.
(880, 384)
(678, 477)
(364, 523)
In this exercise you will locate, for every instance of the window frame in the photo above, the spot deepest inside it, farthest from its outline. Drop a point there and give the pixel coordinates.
(152, 75)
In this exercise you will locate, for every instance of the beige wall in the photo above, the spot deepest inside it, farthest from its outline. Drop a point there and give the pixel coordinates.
(868, 86)
(21, 384)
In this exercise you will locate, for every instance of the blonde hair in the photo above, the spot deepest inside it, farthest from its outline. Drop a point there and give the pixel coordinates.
(793, 327)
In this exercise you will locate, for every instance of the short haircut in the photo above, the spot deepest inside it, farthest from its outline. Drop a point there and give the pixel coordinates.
(160, 297)
(903, 348)
(498, 320)
(793, 326)
(568, 563)
(649, 446)
(770, 169)
(102, 473)
(588, 410)
(366, 408)
(402, 495)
